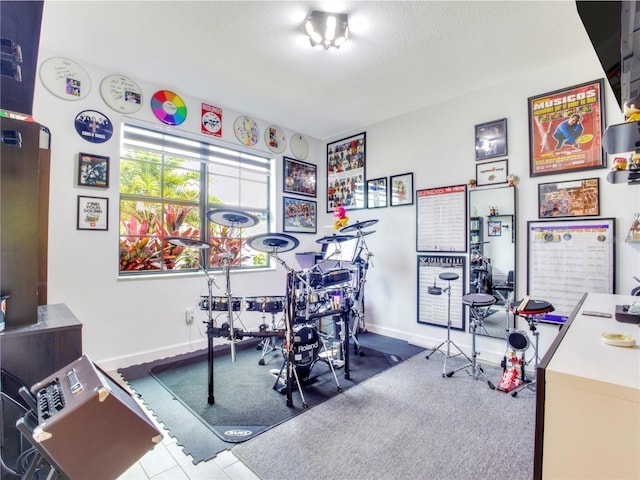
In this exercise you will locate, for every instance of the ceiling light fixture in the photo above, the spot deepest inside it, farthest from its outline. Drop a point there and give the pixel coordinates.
(327, 31)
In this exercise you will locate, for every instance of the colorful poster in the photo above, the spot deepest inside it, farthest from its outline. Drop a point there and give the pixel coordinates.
(565, 130)
(211, 120)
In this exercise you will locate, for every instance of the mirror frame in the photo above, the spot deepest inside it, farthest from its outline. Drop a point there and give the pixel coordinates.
(500, 208)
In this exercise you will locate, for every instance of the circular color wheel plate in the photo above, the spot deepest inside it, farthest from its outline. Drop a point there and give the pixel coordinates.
(168, 107)
(246, 130)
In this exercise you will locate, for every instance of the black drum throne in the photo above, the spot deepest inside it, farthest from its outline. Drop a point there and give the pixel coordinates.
(479, 304)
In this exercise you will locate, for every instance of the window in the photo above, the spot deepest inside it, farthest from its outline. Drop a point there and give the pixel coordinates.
(162, 180)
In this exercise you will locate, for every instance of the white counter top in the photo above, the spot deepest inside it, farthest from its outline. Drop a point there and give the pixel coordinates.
(583, 354)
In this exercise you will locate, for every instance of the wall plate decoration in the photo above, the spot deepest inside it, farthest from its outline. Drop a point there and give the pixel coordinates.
(299, 146)
(121, 93)
(275, 139)
(65, 78)
(246, 130)
(168, 107)
(93, 126)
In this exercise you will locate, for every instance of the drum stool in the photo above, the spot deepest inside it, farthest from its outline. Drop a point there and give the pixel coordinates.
(479, 304)
(531, 311)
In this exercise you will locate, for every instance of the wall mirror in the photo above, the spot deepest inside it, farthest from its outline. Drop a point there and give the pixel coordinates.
(492, 247)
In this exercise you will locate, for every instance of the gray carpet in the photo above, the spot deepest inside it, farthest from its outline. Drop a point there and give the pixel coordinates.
(405, 423)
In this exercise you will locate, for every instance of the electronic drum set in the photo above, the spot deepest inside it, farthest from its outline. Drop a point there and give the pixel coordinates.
(311, 295)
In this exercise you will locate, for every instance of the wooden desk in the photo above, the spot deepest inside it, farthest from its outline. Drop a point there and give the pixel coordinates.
(588, 398)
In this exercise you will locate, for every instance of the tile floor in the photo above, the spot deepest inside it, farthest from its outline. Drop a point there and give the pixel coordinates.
(167, 461)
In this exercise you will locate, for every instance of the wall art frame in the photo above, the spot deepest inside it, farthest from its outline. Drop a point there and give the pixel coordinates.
(565, 129)
(299, 178)
(93, 213)
(573, 198)
(299, 215)
(93, 170)
(491, 139)
(401, 189)
(377, 193)
(568, 257)
(492, 173)
(346, 173)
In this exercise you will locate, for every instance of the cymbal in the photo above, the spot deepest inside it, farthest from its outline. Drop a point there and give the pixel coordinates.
(358, 225)
(271, 242)
(188, 242)
(230, 217)
(334, 238)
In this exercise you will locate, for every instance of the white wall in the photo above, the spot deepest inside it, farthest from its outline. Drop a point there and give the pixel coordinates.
(127, 321)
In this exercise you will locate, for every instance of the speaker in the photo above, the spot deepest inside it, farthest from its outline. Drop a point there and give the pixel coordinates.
(89, 426)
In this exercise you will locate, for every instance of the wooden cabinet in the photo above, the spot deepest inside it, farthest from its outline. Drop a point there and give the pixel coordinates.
(24, 212)
(33, 352)
(588, 398)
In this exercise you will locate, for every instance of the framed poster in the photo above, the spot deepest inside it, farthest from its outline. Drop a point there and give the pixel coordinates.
(575, 198)
(346, 173)
(93, 213)
(377, 193)
(433, 309)
(491, 139)
(494, 228)
(299, 215)
(401, 189)
(567, 258)
(565, 130)
(93, 170)
(299, 177)
(441, 219)
(492, 173)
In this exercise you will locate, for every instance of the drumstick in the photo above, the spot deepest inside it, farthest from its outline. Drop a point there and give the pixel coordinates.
(523, 304)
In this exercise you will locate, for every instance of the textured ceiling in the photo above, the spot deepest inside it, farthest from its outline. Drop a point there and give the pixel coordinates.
(253, 57)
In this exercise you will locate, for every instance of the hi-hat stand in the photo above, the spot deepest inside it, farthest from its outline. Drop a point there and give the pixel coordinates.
(448, 277)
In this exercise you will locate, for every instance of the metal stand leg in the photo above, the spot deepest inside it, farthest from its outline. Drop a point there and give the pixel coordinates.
(448, 342)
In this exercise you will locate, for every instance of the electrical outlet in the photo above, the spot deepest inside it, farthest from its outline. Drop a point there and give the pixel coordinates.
(189, 316)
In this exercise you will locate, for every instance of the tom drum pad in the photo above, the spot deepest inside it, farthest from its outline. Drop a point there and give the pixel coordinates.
(336, 277)
(518, 340)
(220, 304)
(265, 304)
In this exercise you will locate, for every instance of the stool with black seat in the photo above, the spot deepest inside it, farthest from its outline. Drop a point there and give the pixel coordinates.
(448, 277)
(531, 311)
(478, 304)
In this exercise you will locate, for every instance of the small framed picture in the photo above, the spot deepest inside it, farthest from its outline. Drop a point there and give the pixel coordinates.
(574, 198)
(401, 189)
(93, 170)
(377, 192)
(491, 139)
(494, 228)
(492, 173)
(299, 216)
(93, 213)
(299, 177)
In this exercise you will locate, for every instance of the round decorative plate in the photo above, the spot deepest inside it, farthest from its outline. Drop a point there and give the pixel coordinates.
(275, 139)
(299, 146)
(93, 126)
(168, 107)
(246, 130)
(121, 93)
(65, 78)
